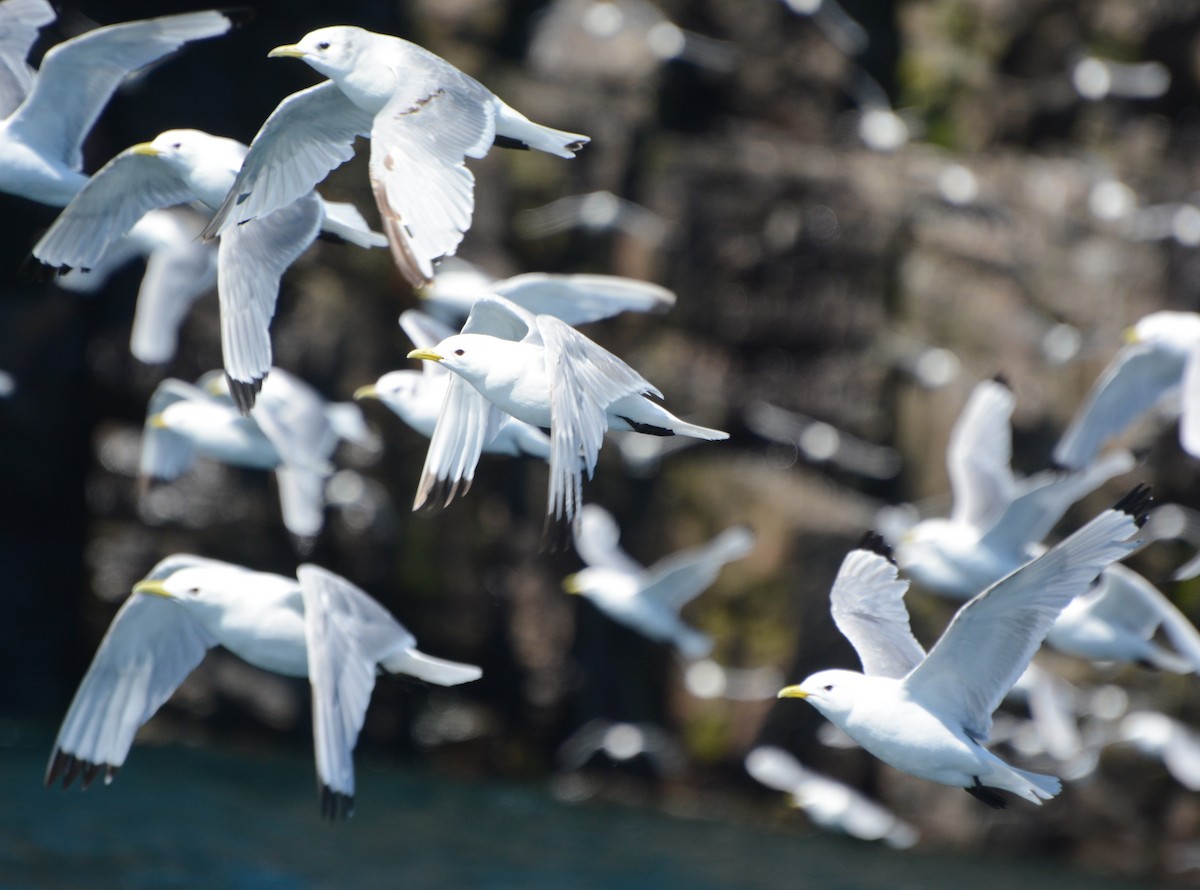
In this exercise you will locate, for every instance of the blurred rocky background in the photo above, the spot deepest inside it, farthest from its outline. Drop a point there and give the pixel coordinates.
(863, 210)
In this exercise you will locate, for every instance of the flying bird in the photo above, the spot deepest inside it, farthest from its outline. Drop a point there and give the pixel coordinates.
(929, 714)
(182, 166)
(317, 625)
(542, 371)
(648, 600)
(424, 118)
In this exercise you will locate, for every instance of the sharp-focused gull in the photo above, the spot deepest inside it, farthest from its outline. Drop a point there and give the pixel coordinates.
(292, 431)
(50, 114)
(929, 714)
(576, 299)
(416, 397)
(542, 371)
(424, 118)
(316, 625)
(830, 804)
(180, 166)
(1160, 364)
(648, 600)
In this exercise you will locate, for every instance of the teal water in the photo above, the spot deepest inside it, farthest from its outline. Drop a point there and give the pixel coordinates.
(180, 817)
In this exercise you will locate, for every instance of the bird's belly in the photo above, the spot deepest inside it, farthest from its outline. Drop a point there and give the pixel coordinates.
(275, 643)
(914, 741)
(526, 398)
(241, 448)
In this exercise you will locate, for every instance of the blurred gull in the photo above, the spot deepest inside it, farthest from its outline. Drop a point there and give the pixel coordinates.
(821, 443)
(996, 519)
(181, 166)
(1157, 735)
(8, 384)
(830, 804)
(50, 113)
(416, 397)
(1159, 368)
(424, 118)
(575, 299)
(1095, 78)
(622, 742)
(705, 678)
(879, 126)
(180, 268)
(316, 625)
(649, 600)
(622, 40)
(594, 212)
(839, 27)
(929, 714)
(292, 430)
(542, 371)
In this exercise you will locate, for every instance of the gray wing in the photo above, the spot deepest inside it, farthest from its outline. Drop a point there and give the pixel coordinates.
(107, 207)
(467, 421)
(166, 454)
(580, 299)
(348, 634)
(1189, 422)
(79, 76)
(308, 134)
(979, 456)
(597, 540)
(1128, 601)
(585, 379)
(867, 604)
(1131, 385)
(991, 639)
(1044, 498)
(293, 417)
(252, 259)
(150, 647)
(425, 193)
(679, 578)
(179, 270)
(20, 21)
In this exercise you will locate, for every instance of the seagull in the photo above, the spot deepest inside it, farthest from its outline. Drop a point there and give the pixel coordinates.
(542, 371)
(292, 431)
(622, 742)
(180, 268)
(50, 113)
(424, 118)
(830, 804)
(1161, 360)
(929, 714)
(416, 397)
(180, 166)
(996, 520)
(316, 625)
(575, 299)
(593, 212)
(648, 600)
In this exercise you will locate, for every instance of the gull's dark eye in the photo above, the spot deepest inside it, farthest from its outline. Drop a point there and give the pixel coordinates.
(458, 352)
(176, 145)
(324, 44)
(194, 590)
(829, 688)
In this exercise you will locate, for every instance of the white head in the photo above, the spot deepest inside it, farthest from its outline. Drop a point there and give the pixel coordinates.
(189, 418)
(202, 589)
(333, 51)
(191, 150)
(602, 584)
(469, 355)
(1177, 329)
(832, 692)
(395, 388)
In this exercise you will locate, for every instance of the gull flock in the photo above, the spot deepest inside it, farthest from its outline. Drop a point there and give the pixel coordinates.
(504, 370)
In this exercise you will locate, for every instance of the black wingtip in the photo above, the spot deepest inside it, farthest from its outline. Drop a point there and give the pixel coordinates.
(1002, 378)
(238, 15)
(874, 542)
(1137, 503)
(244, 392)
(509, 142)
(336, 806)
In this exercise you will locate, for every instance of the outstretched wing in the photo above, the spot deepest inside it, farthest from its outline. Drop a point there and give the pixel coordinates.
(79, 76)
(150, 647)
(979, 456)
(989, 643)
(20, 21)
(867, 603)
(252, 259)
(118, 195)
(308, 134)
(679, 578)
(585, 379)
(419, 142)
(348, 634)
(580, 299)
(597, 541)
